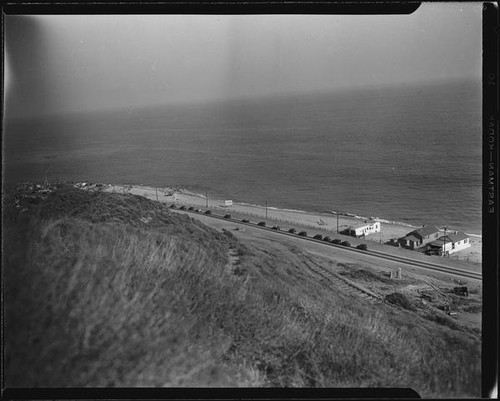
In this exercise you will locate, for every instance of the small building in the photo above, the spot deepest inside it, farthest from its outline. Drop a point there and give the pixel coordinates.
(363, 229)
(228, 203)
(420, 237)
(453, 241)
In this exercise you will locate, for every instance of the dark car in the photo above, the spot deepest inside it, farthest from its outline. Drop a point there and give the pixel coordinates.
(326, 239)
(318, 236)
(208, 212)
(336, 241)
(182, 208)
(292, 231)
(245, 221)
(261, 223)
(345, 243)
(276, 227)
(173, 206)
(197, 210)
(227, 216)
(432, 252)
(363, 247)
(191, 208)
(303, 233)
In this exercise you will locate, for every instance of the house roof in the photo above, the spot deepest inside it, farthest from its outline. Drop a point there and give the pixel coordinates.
(410, 237)
(452, 237)
(366, 224)
(424, 231)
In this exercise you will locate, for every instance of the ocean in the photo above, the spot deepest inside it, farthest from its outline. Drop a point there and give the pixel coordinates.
(408, 153)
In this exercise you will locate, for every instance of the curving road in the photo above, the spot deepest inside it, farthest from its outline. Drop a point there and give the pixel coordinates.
(319, 247)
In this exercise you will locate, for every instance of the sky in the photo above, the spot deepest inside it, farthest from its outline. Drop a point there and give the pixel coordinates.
(80, 63)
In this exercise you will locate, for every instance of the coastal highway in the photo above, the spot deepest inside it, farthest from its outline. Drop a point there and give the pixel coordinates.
(324, 249)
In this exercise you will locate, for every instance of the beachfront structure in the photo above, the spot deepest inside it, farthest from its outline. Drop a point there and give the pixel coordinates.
(453, 241)
(228, 203)
(363, 229)
(420, 237)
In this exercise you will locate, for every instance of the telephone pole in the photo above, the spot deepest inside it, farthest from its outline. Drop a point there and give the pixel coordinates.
(266, 211)
(444, 243)
(206, 196)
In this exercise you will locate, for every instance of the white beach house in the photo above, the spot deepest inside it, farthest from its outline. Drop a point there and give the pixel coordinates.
(362, 229)
(453, 241)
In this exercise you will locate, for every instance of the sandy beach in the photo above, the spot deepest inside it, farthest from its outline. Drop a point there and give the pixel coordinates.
(321, 222)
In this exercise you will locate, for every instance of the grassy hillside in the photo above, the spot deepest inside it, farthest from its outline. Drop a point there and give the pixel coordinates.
(116, 290)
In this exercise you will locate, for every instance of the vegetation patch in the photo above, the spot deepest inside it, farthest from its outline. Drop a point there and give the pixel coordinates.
(443, 320)
(96, 297)
(399, 299)
(476, 308)
(364, 275)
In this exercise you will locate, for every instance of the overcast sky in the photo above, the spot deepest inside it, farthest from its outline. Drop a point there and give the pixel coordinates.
(81, 63)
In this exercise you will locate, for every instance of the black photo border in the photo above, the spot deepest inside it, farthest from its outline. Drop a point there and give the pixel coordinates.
(490, 203)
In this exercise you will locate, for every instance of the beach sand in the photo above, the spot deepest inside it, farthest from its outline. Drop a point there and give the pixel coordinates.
(319, 222)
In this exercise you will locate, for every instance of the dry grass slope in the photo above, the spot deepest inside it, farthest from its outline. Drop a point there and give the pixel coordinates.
(94, 296)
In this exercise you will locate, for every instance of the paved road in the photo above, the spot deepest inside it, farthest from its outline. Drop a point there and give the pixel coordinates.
(378, 260)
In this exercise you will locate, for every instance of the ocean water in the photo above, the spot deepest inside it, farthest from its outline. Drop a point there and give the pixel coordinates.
(407, 153)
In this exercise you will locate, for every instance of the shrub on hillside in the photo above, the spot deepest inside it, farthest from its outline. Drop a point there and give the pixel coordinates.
(399, 299)
(363, 274)
(113, 304)
(443, 319)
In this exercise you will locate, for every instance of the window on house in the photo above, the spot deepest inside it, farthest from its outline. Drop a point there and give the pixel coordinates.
(453, 245)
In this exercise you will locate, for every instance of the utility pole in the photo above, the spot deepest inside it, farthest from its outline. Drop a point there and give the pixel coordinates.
(266, 211)
(206, 196)
(156, 194)
(444, 243)
(337, 221)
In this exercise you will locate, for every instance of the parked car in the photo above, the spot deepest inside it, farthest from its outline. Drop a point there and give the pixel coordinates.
(190, 208)
(197, 210)
(261, 223)
(326, 238)
(245, 221)
(208, 212)
(227, 216)
(292, 231)
(318, 236)
(276, 227)
(172, 206)
(336, 241)
(363, 247)
(303, 233)
(182, 208)
(345, 243)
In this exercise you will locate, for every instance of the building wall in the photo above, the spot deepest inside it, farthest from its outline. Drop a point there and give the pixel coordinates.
(457, 246)
(414, 245)
(367, 230)
(430, 238)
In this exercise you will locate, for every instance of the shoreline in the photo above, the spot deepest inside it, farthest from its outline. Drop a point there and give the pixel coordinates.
(182, 195)
(319, 222)
(305, 212)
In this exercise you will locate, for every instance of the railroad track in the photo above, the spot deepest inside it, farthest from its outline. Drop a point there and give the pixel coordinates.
(342, 282)
(377, 254)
